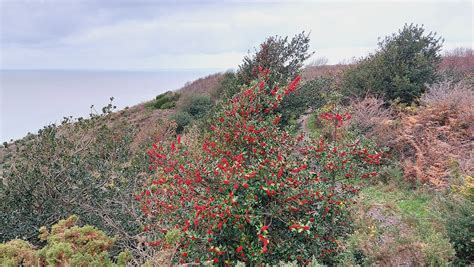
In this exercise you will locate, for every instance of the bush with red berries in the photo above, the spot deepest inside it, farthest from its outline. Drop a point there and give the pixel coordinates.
(256, 192)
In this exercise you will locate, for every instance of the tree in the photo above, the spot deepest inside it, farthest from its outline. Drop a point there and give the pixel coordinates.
(282, 57)
(404, 63)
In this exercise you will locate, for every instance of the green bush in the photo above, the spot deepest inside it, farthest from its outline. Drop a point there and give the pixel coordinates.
(166, 100)
(460, 226)
(18, 253)
(85, 168)
(399, 70)
(283, 58)
(198, 105)
(312, 94)
(228, 86)
(182, 119)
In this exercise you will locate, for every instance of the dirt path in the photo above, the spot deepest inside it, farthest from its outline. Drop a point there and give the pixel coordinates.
(303, 121)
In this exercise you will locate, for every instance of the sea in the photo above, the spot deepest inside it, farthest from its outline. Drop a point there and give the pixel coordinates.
(32, 99)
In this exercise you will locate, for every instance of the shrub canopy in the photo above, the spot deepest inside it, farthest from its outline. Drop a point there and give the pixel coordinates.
(255, 193)
(404, 63)
(284, 58)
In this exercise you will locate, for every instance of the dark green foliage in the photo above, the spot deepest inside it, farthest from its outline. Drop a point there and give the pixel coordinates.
(284, 58)
(85, 167)
(228, 86)
(404, 63)
(312, 95)
(460, 227)
(166, 100)
(168, 105)
(198, 105)
(182, 119)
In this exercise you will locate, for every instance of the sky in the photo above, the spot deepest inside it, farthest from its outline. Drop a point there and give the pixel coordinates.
(148, 35)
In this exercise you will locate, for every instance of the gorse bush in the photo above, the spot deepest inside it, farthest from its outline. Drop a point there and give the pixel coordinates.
(66, 244)
(399, 70)
(18, 253)
(228, 86)
(460, 227)
(197, 105)
(192, 108)
(182, 120)
(166, 100)
(255, 193)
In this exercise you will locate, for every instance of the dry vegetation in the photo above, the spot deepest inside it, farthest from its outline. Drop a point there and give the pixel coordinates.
(313, 72)
(437, 134)
(459, 59)
(428, 139)
(373, 119)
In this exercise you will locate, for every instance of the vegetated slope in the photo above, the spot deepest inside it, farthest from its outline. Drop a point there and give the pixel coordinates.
(428, 133)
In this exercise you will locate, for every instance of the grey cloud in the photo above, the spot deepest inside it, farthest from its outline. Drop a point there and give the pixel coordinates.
(157, 34)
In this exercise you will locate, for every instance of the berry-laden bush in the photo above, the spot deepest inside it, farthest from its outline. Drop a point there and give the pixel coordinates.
(255, 193)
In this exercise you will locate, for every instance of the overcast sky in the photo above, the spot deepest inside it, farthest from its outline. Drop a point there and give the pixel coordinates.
(135, 34)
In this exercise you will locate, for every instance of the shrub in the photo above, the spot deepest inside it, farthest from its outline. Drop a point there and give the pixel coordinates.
(311, 95)
(457, 64)
(166, 100)
(460, 227)
(457, 209)
(284, 58)
(182, 119)
(84, 167)
(399, 70)
(197, 105)
(66, 244)
(447, 94)
(255, 193)
(371, 118)
(18, 253)
(228, 86)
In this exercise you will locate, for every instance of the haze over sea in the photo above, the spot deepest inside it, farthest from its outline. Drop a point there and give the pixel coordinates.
(31, 99)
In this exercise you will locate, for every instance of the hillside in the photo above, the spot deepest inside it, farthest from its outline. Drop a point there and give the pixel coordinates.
(222, 170)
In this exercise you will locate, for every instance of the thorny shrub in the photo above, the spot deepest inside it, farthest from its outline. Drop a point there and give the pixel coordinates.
(67, 245)
(255, 193)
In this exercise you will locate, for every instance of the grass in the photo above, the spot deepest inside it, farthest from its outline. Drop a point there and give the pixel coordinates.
(398, 225)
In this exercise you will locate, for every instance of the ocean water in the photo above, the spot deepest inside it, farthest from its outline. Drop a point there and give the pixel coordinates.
(31, 99)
